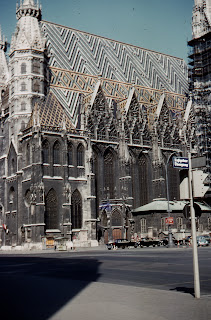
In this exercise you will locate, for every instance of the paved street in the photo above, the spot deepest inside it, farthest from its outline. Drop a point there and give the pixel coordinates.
(148, 283)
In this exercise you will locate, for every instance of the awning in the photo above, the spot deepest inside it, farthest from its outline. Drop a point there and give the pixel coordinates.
(161, 205)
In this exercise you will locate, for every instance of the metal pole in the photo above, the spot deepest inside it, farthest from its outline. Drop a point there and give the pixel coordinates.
(170, 240)
(193, 231)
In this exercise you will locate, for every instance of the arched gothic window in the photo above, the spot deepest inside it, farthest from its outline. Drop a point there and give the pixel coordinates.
(143, 179)
(80, 155)
(173, 181)
(116, 219)
(45, 152)
(23, 106)
(109, 173)
(70, 154)
(23, 68)
(28, 154)
(51, 213)
(76, 210)
(56, 153)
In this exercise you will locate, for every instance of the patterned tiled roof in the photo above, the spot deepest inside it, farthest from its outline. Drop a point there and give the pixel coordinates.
(77, 59)
(50, 114)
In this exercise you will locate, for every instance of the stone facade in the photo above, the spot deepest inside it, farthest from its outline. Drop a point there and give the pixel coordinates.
(87, 127)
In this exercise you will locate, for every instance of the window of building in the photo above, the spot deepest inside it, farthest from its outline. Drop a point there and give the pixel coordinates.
(23, 86)
(36, 87)
(76, 210)
(23, 106)
(109, 174)
(70, 154)
(23, 68)
(56, 153)
(116, 218)
(143, 179)
(45, 151)
(164, 226)
(179, 223)
(143, 223)
(28, 154)
(36, 67)
(51, 210)
(80, 156)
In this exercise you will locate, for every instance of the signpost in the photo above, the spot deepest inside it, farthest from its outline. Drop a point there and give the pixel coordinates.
(180, 163)
(185, 163)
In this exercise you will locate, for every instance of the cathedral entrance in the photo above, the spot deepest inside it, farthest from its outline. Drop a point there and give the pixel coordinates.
(116, 234)
(51, 213)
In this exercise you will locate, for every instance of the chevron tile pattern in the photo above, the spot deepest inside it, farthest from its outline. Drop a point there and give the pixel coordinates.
(77, 60)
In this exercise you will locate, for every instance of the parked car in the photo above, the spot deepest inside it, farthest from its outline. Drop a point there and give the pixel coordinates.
(147, 242)
(201, 241)
(121, 243)
(207, 237)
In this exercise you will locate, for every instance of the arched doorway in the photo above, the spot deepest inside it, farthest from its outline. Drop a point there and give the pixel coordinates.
(51, 212)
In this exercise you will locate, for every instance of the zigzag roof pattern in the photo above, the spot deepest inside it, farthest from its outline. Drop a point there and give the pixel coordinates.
(77, 59)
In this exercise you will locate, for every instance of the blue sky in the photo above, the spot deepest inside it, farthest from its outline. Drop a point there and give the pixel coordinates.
(160, 25)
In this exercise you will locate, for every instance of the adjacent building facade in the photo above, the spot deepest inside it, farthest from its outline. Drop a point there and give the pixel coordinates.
(89, 126)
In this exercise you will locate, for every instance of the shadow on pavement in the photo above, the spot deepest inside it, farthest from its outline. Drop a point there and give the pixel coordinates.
(185, 290)
(36, 288)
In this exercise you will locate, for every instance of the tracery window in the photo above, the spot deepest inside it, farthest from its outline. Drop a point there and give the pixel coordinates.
(23, 68)
(80, 155)
(51, 213)
(56, 153)
(116, 219)
(109, 173)
(173, 181)
(143, 179)
(45, 152)
(28, 154)
(76, 210)
(70, 154)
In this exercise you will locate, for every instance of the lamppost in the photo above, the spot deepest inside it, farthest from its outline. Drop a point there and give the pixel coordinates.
(170, 239)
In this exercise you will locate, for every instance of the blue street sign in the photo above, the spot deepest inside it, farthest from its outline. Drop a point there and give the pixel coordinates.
(180, 163)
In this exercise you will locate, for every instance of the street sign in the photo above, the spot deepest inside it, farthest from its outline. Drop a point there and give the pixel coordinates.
(170, 220)
(180, 163)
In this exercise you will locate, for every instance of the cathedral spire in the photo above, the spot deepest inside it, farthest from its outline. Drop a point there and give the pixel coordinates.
(201, 21)
(28, 8)
(4, 73)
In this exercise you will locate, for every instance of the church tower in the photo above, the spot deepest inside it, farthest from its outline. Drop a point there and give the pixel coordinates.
(27, 66)
(200, 73)
(4, 72)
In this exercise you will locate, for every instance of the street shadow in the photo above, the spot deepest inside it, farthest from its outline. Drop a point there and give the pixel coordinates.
(36, 288)
(185, 290)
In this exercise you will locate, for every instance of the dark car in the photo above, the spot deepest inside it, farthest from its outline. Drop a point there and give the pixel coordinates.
(121, 243)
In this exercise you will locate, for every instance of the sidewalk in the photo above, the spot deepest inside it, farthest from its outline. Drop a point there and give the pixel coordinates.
(100, 301)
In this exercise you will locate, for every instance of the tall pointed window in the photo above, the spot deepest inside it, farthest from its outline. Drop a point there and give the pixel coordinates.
(143, 179)
(45, 152)
(36, 87)
(70, 154)
(56, 153)
(80, 155)
(23, 106)
(28, 154)
(51, 213)
(109, 173)
(76, 210)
